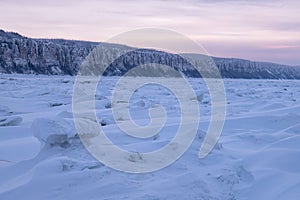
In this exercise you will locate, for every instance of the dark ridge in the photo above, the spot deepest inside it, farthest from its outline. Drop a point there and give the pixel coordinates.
(19, 54)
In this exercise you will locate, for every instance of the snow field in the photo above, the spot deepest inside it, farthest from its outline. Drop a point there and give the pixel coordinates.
(257, 156)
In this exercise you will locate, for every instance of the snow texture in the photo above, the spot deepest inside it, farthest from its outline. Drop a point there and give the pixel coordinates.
(257, 156)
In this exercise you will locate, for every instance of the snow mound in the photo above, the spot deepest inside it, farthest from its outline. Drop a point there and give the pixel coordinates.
(4, 110)
(65, 114)
(10, 121)
(54, 131)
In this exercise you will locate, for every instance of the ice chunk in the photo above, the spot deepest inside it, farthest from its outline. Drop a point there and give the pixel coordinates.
(54, 131)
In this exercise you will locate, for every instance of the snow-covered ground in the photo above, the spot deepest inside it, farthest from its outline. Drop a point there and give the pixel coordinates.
(257, 156)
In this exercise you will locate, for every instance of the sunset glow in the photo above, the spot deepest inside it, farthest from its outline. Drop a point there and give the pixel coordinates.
(258, 30)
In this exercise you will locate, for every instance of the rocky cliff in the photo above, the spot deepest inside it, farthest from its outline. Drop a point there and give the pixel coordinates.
(19, 54)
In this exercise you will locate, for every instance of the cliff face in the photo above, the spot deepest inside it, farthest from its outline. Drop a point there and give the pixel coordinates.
(19, 54)
(24, 55)
(239, 68)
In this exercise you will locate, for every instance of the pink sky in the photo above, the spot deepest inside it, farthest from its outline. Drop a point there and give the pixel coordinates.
(266, 30)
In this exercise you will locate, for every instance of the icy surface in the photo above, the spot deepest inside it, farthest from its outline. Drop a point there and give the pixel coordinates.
(257, 156)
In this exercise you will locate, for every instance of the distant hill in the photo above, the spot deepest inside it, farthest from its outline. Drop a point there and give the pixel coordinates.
(19, 54)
